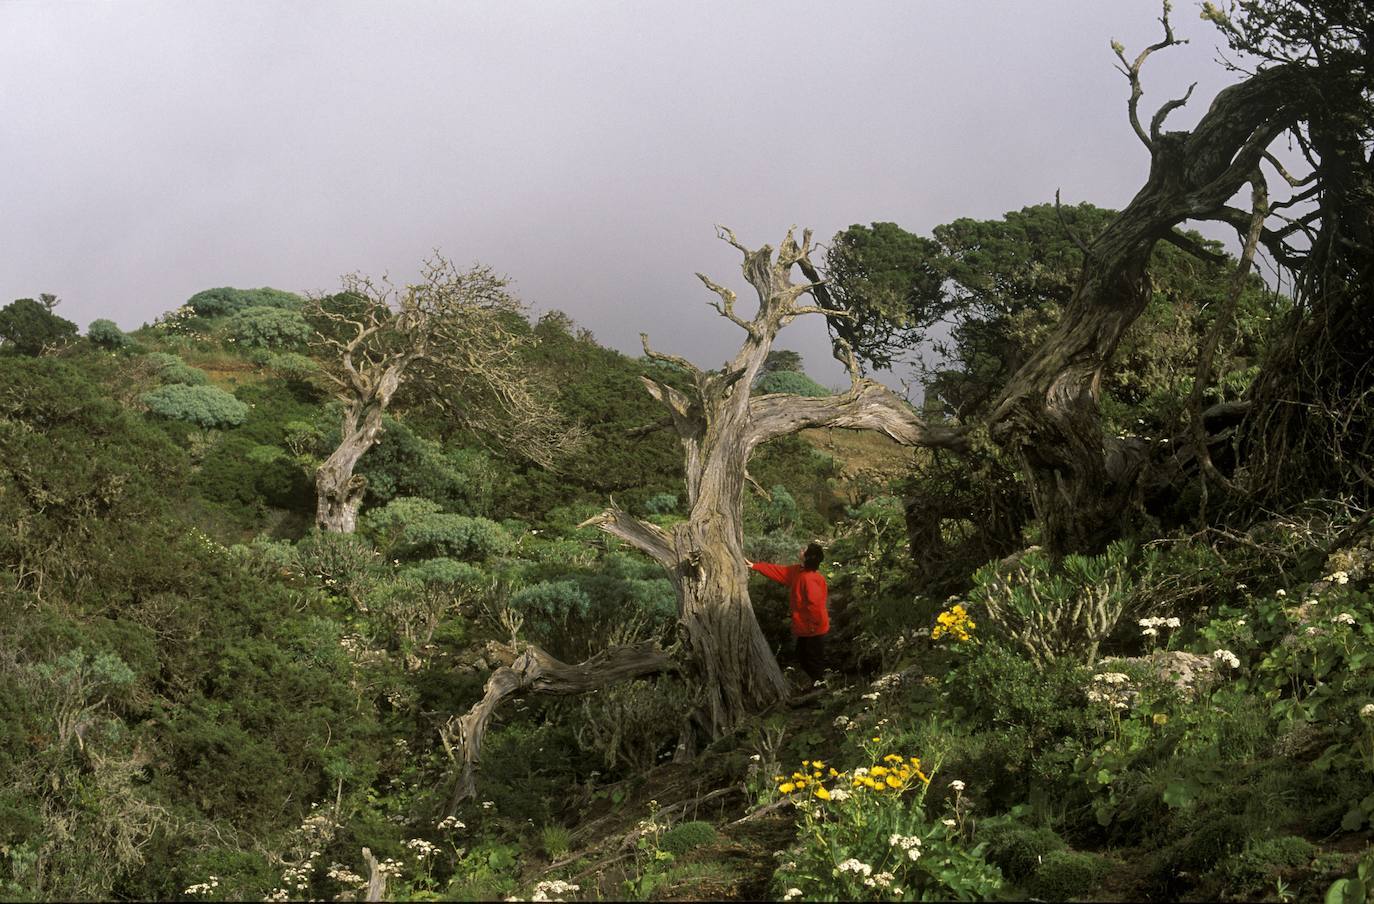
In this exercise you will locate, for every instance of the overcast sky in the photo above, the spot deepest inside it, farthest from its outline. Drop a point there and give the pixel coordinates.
(153, 148)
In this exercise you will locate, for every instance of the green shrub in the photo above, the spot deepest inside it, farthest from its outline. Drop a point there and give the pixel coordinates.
(1056, 610)
(205, 406)
(1018, 849)
(792, 383)
(343, 563)
(1065, 875)
(685, 836)
(661, 504)
(556, 841)
(224, 301)
(1261, 862)
(170, 369)
(107, 334)
(553, 599)
(440, 534)
(28, 326)
(292, 365)
(263, 327)
(443, 571)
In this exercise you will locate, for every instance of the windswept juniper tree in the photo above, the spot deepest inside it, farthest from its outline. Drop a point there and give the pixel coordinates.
(720, 422)
(454, 334)
(1081, 481)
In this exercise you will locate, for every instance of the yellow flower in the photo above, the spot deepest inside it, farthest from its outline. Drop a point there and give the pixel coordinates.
(892, 758)
(1161, 718)
(816, 764)
(894, 782)
(822, 793)
(787, 788)
(878, 771)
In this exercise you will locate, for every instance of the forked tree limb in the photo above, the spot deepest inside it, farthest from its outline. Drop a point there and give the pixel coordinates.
(536, 672)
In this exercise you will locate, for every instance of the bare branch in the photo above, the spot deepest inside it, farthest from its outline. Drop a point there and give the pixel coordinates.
(649, 539)
(1157, 121)
(1193, 247)
(1287, 176)
(1073, 236)
(674, 360)
(536, 672)
(867, 406)
(727, 306)
(1132, 73)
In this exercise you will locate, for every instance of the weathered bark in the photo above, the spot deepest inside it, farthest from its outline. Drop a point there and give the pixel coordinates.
(720, 425)
(534, 671)
(1082, 482)
(339, 492)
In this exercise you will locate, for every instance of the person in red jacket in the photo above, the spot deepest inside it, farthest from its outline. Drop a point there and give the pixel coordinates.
(807, 591)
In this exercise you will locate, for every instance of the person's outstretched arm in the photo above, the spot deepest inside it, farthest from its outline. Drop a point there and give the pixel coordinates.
(769, 570)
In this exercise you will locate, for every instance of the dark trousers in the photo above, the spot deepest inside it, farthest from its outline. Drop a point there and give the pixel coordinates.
(811, 655)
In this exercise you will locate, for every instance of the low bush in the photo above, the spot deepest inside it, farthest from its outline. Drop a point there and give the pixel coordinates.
(204, 406)
(107, 334)
(1065, 875)
(266, 327)
(685, 836)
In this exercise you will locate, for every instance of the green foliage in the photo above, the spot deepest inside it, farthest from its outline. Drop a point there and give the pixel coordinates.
(225, 301)
(107, 335)
(267, 327)
(1065, 875)
(685, 836)
(1264, 860)
(555, 840)
(791, 383)
(204, 406)
(292, 365)
(553, 599)
(1053, 610)
(171, 370)
(661, 504)
(1017, 849)
(28, 326)
(440, 534)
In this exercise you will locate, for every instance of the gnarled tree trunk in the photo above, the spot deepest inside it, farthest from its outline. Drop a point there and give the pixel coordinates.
(1082, 482)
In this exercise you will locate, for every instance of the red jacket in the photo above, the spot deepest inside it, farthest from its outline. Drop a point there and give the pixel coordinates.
(807, 591)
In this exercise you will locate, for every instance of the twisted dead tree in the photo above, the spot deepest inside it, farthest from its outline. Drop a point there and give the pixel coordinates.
(455, 333)
(1081, 482)
(719, 422)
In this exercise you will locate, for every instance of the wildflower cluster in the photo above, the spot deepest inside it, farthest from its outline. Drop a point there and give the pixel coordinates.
(1110, 689)
(953, 621)
(1227, 657)
(893, 774)
(340, 873)
(421, 847)
(202, 888)
(813, 775)
(910, 845)
(554, 887)
(1149, 627)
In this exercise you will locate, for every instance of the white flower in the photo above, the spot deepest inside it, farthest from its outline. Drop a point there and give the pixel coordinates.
(957, 785)
(1280, 592)
(488, 804)
(1172, 623)
(1367, 711)
(1150, 632)
(854, 866)
(839, 794)
(949, 823)
(1340, 577)
(1227, 657)
(791, 893)
(873, 696)
(883, 879)
(1345, 618)
(1240, 623)
(755, 758)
